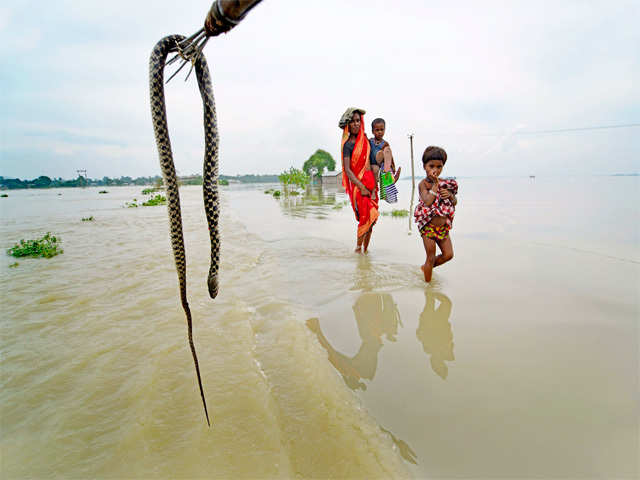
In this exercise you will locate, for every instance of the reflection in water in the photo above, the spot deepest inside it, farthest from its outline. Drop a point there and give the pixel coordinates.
(316, 200)
(376, 315)
(403, 447)
(434, 331)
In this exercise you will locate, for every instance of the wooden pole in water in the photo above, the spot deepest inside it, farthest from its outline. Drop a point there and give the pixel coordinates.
(413, 183)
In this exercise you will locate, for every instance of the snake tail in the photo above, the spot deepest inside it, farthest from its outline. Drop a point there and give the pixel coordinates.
(210, 174)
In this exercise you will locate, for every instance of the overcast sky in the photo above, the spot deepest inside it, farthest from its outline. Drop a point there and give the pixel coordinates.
(477, 78)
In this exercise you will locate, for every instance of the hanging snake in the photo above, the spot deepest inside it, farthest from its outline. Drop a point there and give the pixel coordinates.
(223, 15)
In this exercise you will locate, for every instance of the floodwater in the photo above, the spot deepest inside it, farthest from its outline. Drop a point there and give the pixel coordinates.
(520, 359)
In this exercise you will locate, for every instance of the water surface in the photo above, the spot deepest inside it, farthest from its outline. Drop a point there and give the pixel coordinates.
(520, 359)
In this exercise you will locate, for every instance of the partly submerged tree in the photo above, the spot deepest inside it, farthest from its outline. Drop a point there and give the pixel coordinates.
(317, 162)
(293, 176)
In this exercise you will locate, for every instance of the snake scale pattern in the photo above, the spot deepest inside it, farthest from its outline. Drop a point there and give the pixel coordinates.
(210, 174)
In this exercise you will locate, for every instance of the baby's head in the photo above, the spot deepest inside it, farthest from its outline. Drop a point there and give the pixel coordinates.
(377, 128)
(433, 160)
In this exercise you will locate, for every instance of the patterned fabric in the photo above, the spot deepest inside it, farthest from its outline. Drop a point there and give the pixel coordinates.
(441, 207)
(388, 190)
(435, 233)
(365, 208)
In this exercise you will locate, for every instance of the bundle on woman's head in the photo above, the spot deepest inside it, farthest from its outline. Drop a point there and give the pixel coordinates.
(348, 115)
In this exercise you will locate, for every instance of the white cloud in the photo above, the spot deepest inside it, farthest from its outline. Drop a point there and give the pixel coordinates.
(461, 75)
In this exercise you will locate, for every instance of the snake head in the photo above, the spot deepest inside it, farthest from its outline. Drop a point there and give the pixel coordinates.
(212, 282)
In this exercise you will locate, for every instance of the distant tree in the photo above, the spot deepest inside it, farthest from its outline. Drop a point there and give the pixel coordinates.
(41, 182)
(317, 162)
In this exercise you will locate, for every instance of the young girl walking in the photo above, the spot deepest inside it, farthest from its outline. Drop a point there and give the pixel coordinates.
(435, 210)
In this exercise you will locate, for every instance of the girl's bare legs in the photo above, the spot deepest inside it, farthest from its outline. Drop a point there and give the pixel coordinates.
(446, 249)
(430, 250)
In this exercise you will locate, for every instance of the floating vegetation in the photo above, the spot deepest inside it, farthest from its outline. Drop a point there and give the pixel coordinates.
(223, 181)
(101, 191)
(276, 193)
(397, 213)
(154, 201)
(88, 219)
(294, 193)
(48, 246)
(133, 204)
(149, 191)
(269, 192)
(13, 265)
(4, 195)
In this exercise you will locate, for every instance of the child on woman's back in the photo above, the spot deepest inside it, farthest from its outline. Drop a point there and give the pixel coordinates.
(435, 210)
(383, 158)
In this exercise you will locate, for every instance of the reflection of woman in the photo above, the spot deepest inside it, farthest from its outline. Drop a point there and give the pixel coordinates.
(376, 315)
(434, 331)
(357, 176)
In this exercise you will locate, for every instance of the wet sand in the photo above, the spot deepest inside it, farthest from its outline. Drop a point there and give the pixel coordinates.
(520, 359)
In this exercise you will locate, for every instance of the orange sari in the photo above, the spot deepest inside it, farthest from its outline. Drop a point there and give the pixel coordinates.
(365, 208)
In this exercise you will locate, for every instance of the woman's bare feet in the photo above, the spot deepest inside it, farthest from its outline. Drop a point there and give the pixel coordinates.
(358, 250)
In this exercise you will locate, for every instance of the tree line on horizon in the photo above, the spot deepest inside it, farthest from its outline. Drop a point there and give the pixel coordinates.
(314, 165)
(46, 182)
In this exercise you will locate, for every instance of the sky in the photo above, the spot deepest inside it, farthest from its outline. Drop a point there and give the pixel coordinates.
(499, 84)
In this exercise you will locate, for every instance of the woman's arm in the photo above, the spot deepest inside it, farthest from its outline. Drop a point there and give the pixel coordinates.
(346, 165)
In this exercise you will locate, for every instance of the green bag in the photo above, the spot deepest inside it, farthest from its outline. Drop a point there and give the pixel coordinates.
(386, 178)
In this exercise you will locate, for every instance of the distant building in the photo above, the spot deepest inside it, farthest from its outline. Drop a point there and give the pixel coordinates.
(331, 179)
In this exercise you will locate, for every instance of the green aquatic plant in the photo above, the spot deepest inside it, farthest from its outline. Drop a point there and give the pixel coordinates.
(88, 219)
(223, 181)
(48, 246)
(133, 204)
(269, 192)
(149, 191)
(276, 193)
(397, 213)
(4, 195)
(294, 193)
(294, 176)
(13, 265)
(154, 201)
(103, 191)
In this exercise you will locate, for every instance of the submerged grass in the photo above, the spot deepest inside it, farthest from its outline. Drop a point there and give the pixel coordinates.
(397, 213)
(88, 219)
(48, 246)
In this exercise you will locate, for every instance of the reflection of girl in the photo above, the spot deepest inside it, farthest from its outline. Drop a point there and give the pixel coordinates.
(434, 332)
(357, 178)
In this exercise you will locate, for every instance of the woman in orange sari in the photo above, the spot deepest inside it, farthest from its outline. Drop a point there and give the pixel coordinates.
(357, 177)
